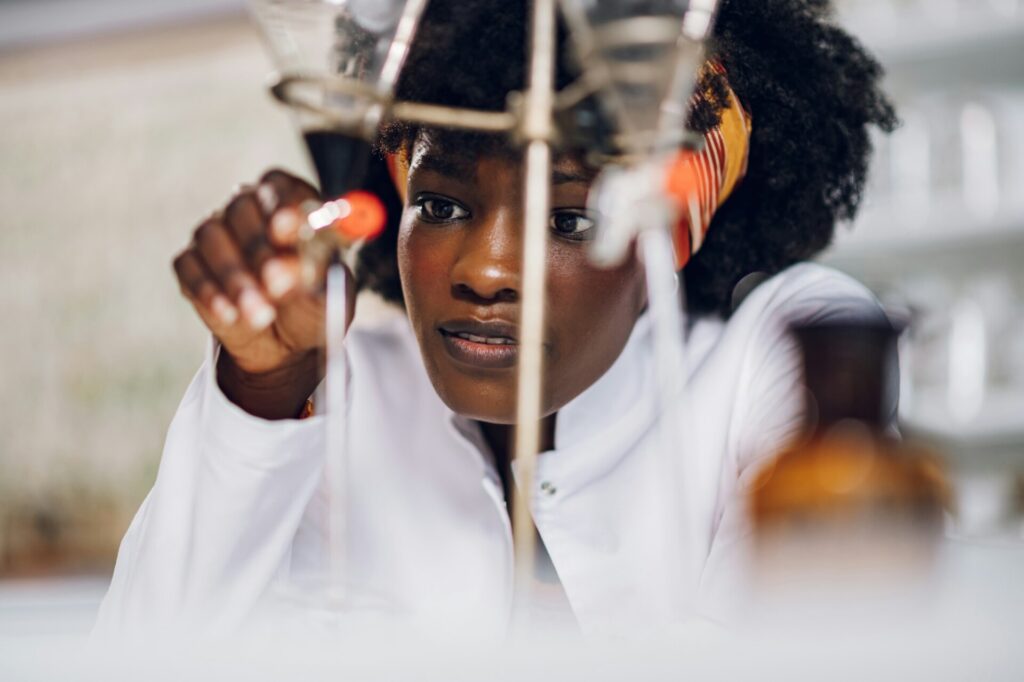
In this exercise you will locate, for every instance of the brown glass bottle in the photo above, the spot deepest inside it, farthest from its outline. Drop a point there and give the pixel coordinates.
(848, 492)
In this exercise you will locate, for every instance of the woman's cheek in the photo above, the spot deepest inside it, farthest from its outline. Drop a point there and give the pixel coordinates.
(599, 308)
(576, 285)
(421, 265)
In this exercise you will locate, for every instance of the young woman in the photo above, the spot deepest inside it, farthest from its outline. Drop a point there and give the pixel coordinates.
(239, 502)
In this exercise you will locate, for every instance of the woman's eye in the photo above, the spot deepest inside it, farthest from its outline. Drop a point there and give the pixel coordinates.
(437, 210)
(572, 225)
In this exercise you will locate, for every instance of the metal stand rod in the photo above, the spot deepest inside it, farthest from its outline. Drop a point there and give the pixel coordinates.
(687, 485)
(679, 462)
(285, 89)
(336, 465)
(453, 117)
(537, 124)
(531, 364)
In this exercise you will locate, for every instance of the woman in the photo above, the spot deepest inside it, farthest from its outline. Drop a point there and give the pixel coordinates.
(239, 504)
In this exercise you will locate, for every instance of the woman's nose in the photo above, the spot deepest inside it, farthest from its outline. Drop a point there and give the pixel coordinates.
(488, 264)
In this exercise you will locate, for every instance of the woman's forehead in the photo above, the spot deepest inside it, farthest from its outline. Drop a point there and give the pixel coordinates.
(458, 155)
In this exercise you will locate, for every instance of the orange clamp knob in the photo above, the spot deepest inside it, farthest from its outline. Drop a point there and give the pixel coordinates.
(362, 216)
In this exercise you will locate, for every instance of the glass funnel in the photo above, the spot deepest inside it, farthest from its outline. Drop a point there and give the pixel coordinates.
(337, 64)
(642, 60)
(640, 56)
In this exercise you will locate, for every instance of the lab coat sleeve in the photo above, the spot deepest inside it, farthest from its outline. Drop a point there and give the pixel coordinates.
(769, 414)
(216, 529)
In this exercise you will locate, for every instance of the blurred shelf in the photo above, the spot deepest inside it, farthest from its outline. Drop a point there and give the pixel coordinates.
(1000, 420)
(936, 38)
(922, 49)
(949, 238)
(31, 23)
(993, 439)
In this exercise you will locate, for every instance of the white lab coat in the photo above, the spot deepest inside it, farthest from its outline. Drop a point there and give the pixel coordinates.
(239, 503)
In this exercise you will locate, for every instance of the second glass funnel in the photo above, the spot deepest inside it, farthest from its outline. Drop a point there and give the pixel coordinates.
(643, 61)
(639, 55)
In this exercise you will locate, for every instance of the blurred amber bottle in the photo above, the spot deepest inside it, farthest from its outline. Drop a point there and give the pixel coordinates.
(848, 491)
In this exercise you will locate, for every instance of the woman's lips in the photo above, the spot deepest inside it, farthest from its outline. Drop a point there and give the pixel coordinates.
(483, 345)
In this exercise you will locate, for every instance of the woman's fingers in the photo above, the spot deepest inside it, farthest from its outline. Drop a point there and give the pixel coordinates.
(245, 283)
(198, 285)
(285, 226)
(290, 190)
(277, 198)
(245, 221)
(280, 195)
(277, 268)
(223, 258)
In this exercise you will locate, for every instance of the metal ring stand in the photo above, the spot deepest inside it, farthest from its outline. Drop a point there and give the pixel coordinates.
(530, 122)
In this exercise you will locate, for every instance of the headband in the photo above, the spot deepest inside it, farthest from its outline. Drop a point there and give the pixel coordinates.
(710, 175)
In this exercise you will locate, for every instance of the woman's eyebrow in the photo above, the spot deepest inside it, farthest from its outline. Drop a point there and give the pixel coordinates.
(563, 177)
(443, 164)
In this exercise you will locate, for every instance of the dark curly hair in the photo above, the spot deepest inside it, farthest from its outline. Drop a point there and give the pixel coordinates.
(810, 87)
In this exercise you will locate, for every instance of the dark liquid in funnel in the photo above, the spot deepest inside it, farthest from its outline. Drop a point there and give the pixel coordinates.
(345, 163)
(341, 161)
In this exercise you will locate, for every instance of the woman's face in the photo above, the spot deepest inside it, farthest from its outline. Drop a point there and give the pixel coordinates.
(459, 255)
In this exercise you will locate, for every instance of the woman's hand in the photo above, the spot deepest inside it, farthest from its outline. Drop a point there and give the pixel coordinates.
(243, 276)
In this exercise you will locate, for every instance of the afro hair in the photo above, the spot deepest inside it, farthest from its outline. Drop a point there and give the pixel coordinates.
(811, 88)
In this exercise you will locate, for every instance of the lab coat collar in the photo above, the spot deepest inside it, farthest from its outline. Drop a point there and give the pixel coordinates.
(598, 427)
(615, 394)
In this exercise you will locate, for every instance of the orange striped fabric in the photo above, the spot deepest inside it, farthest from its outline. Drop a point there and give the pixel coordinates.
(710, 175)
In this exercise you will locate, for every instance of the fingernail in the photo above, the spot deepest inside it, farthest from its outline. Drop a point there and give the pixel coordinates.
(285, 224)
(278, 278)
(255, 308)
(267, 196)
(223, 309)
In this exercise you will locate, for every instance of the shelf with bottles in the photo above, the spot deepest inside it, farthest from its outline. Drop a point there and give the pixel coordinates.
(947, 182)
(995, 424)
(962, 359)
(931, 42)
(948, 237)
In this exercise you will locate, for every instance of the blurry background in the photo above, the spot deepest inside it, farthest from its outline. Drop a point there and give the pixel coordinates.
(940, 238)
(123, 123)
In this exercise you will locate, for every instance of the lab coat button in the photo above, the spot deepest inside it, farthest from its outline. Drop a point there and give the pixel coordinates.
(547, 487)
